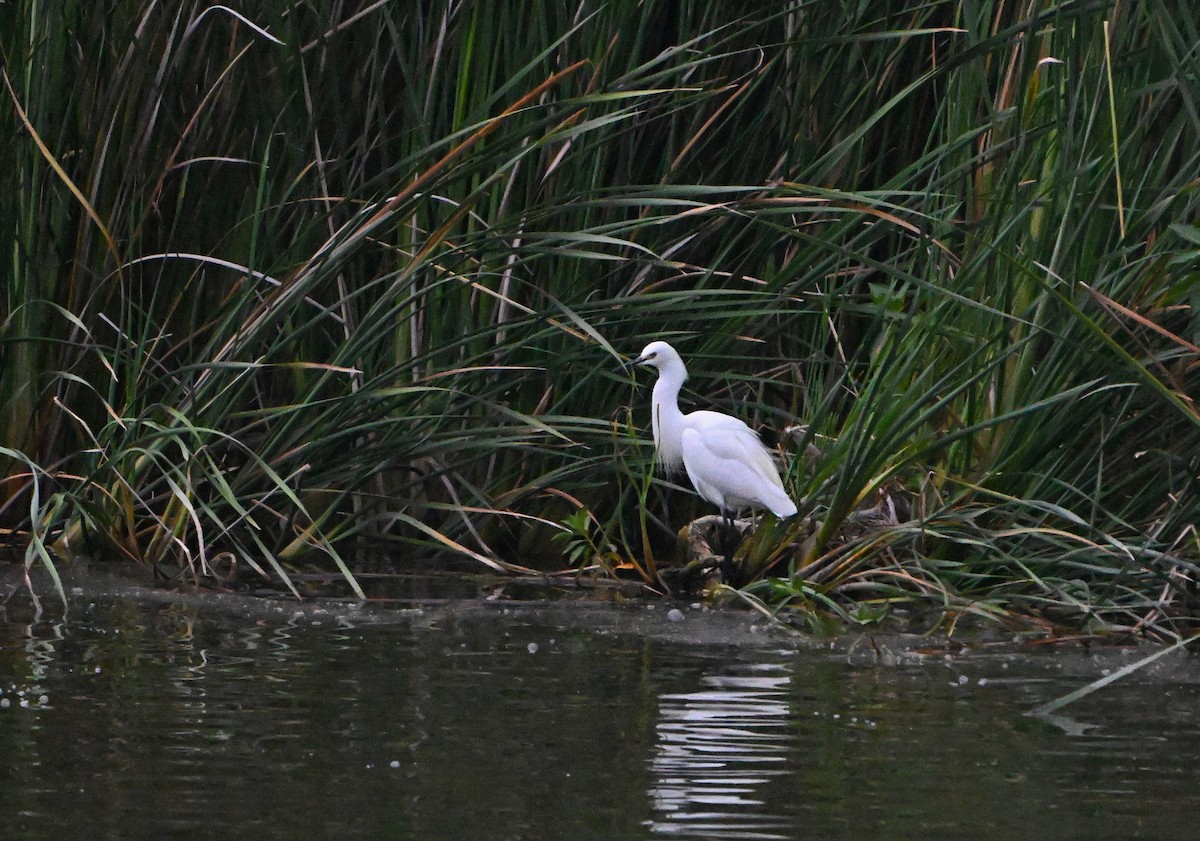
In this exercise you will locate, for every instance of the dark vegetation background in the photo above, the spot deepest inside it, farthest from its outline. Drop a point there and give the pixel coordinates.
(285, 277)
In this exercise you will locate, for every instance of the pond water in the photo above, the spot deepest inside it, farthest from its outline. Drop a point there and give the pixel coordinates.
(173, 717)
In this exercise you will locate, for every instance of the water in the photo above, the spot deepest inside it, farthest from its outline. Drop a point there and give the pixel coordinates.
(162, 719)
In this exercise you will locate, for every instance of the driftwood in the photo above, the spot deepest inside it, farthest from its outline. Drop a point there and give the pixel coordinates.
(705, 539)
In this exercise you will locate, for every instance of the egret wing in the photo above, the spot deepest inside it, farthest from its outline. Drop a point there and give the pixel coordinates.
(726, 438)
(730, 467)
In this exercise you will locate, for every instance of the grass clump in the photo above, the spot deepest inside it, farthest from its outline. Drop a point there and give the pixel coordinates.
(288, 278)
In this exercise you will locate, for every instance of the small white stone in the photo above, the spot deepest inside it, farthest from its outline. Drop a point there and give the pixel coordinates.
(675, 615)
(532, 648)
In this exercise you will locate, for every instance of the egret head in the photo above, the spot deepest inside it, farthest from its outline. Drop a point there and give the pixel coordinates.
(659, 355)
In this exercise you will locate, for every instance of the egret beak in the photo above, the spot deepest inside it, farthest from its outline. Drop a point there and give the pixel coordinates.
(632, 362)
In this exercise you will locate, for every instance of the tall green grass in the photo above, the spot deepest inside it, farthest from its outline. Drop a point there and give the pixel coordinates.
(288, 278)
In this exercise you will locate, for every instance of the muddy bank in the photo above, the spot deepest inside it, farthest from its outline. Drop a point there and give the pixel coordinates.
(460, 603)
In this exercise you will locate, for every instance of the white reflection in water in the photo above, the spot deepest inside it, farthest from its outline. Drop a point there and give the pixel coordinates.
(716, 748)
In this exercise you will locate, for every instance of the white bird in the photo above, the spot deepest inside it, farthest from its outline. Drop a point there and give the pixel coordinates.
(727, 462)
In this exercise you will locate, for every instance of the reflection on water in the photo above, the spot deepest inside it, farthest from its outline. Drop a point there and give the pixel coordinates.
(716, 748)
(137, 720)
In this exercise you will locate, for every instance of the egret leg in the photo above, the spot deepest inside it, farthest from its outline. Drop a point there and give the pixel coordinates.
(731, 543)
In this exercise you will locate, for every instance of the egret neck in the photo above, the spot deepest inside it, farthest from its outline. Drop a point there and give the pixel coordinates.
(667, 420)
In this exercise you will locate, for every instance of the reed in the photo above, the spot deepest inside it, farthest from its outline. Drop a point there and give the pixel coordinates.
(291, 277)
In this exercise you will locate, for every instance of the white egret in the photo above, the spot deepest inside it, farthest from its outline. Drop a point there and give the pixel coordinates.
(727, 462)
